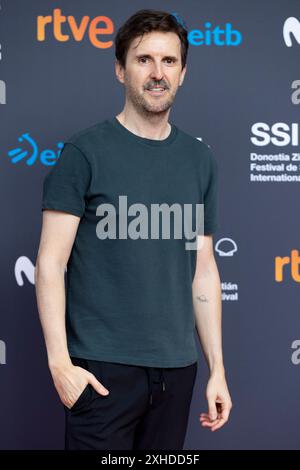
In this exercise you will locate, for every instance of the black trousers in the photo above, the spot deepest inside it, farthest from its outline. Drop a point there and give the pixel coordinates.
(147, 408)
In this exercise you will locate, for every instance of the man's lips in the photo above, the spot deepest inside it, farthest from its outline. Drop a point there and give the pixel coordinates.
(156, 90)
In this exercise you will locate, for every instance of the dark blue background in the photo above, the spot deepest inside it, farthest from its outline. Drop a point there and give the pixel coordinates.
(55, 89)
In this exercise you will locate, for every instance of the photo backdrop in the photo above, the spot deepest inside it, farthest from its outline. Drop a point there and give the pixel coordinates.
(241, 95)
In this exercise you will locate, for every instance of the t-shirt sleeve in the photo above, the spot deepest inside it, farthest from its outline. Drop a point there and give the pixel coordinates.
(211, 202)
(66, 185)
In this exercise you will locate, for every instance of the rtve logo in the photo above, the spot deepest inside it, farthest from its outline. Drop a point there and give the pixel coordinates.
(293, 261)
(77, 30)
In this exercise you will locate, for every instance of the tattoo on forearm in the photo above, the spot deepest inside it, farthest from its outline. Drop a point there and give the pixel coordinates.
(202, 298)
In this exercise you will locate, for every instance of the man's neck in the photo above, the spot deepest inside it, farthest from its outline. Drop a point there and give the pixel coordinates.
(158, 130)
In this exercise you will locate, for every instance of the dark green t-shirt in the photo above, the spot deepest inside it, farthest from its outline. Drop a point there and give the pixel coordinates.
(130, 300)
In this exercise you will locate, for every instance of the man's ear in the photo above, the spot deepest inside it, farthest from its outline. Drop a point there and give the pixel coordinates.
(119, 71)
(183, 72)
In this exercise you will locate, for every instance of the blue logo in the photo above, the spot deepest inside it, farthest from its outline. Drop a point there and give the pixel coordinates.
(217, 36)
(47, 157)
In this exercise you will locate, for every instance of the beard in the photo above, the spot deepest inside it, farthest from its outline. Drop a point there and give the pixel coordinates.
(146, 104)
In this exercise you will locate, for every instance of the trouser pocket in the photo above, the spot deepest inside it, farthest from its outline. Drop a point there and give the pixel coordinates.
(85, 397)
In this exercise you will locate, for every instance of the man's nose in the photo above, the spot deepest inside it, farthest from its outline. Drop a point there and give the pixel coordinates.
(157, 72)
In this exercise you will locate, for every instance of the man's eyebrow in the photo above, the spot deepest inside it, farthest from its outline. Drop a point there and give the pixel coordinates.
(138, 56)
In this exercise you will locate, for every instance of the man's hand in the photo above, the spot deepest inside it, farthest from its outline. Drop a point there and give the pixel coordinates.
(70, 381)
(219, 402)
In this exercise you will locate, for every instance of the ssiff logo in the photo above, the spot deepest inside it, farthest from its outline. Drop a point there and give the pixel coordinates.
(280, 134)
(292, 262)
(47, 157)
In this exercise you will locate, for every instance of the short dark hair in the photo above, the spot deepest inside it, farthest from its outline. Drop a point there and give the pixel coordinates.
(145, 21)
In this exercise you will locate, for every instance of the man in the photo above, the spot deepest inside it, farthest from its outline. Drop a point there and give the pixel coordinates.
(124, 360)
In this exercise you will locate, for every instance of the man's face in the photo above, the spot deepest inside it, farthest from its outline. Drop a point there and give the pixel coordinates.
(154, 64)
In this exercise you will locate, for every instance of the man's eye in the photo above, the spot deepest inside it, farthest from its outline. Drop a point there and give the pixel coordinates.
(143, 59)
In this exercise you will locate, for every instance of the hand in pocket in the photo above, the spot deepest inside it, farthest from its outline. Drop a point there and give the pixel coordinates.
(72, 384)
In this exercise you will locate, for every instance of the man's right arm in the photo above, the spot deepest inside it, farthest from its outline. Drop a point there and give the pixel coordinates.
(57, 238)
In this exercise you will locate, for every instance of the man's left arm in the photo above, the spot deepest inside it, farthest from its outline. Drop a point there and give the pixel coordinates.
(207, 303)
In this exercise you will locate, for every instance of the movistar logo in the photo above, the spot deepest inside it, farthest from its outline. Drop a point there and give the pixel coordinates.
(291, 28)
